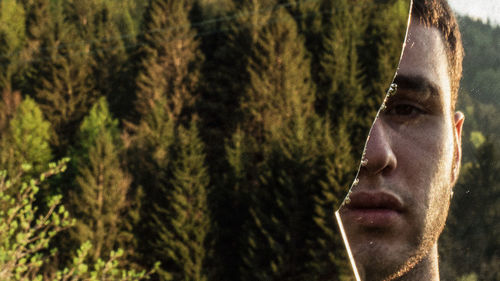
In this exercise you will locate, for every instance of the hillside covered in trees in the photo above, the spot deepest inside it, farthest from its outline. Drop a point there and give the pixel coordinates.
(216, 137)
(470, 245)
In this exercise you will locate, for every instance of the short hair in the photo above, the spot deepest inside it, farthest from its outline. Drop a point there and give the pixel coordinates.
(438, 14)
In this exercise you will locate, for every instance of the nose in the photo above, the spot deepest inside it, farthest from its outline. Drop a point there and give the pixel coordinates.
(379, 153)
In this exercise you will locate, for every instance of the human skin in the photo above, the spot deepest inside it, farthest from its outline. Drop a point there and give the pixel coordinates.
(396, 212)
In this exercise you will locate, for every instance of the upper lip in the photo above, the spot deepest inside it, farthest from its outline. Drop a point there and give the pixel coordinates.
(374, 200)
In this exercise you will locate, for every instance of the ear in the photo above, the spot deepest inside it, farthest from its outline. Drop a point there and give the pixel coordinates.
(457, 127)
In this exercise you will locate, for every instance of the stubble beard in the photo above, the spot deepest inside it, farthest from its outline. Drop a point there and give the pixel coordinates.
(418, 249)
(435, 220)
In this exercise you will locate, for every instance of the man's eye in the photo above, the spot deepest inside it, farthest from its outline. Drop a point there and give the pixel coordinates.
(403, 110)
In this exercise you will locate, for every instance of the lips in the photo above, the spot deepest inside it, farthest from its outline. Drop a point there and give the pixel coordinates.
(374, 200)
(373, 209)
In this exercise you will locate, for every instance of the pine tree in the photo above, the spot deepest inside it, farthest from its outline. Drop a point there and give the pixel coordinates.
(171, 58)
(149, 161)
(62, 81)
(127, 16)
(310, 17)
(97, 24)
(170, 168)
(280, 88)
(99, 201)
(12, 36)
(110, 70)
(36, 19)
(338, 61)
(227, 77)
(280, 157)
(36, 25)
(167, 87)
(292, 235)
(181, 217)
(225, 41)
(329, 260)
(340, 80)
(26, 140)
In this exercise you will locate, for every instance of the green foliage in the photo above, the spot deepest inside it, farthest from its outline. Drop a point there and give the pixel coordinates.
(100, 198)
(156, 135)
(127, 15)
(98, 122)
(170, 158)
(12, 24)
(62, 83)
(12, 36)
(167, 50)
(485, 84)
(469, 242)
(110, 68)
(337, 171)
(310, 17)
(298, 188)
(26, 140)
(354, 61)
(280, 90)
(477, 139)
(237, 128)
(149, 152)
(476, 202)
(340, 91)
(175, 217)
(36, 23)
(225, 79)
(284, 175)
(8, 108)
(101, 269)
(25, 236)
(468, 277)
(481, 61)
(182, 220)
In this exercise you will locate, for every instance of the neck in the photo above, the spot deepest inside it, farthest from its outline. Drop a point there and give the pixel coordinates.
(426, 269)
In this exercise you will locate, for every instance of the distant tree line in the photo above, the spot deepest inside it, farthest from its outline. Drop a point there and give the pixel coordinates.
(470, 245)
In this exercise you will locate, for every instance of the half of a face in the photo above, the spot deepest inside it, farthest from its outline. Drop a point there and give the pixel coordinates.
(370, 216)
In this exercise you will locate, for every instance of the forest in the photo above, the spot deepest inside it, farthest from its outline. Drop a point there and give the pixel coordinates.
(470, 244)
(212, 140)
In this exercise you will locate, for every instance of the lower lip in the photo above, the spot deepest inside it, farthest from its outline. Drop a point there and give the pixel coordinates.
(372, 217)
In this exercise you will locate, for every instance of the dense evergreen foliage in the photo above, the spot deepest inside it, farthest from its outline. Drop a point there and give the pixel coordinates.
(469, 245)
(99, 200)
(217, 137)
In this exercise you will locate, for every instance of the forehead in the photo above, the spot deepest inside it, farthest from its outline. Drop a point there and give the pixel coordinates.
(425, 62)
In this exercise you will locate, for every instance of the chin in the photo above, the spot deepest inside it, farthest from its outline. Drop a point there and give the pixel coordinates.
(385, 262)
(377, 262)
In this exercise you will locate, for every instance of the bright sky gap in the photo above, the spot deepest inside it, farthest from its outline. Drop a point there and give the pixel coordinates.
(478, 9)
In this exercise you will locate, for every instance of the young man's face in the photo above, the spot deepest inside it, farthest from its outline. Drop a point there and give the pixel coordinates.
(399, 207)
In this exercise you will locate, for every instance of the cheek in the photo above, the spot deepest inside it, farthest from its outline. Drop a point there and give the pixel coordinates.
(425, 155)
(427, 143)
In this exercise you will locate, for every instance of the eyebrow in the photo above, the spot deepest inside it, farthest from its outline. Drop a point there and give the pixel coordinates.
(418, 83)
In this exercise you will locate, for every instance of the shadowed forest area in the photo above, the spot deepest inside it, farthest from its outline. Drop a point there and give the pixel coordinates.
(214, 137)
(470, 244)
